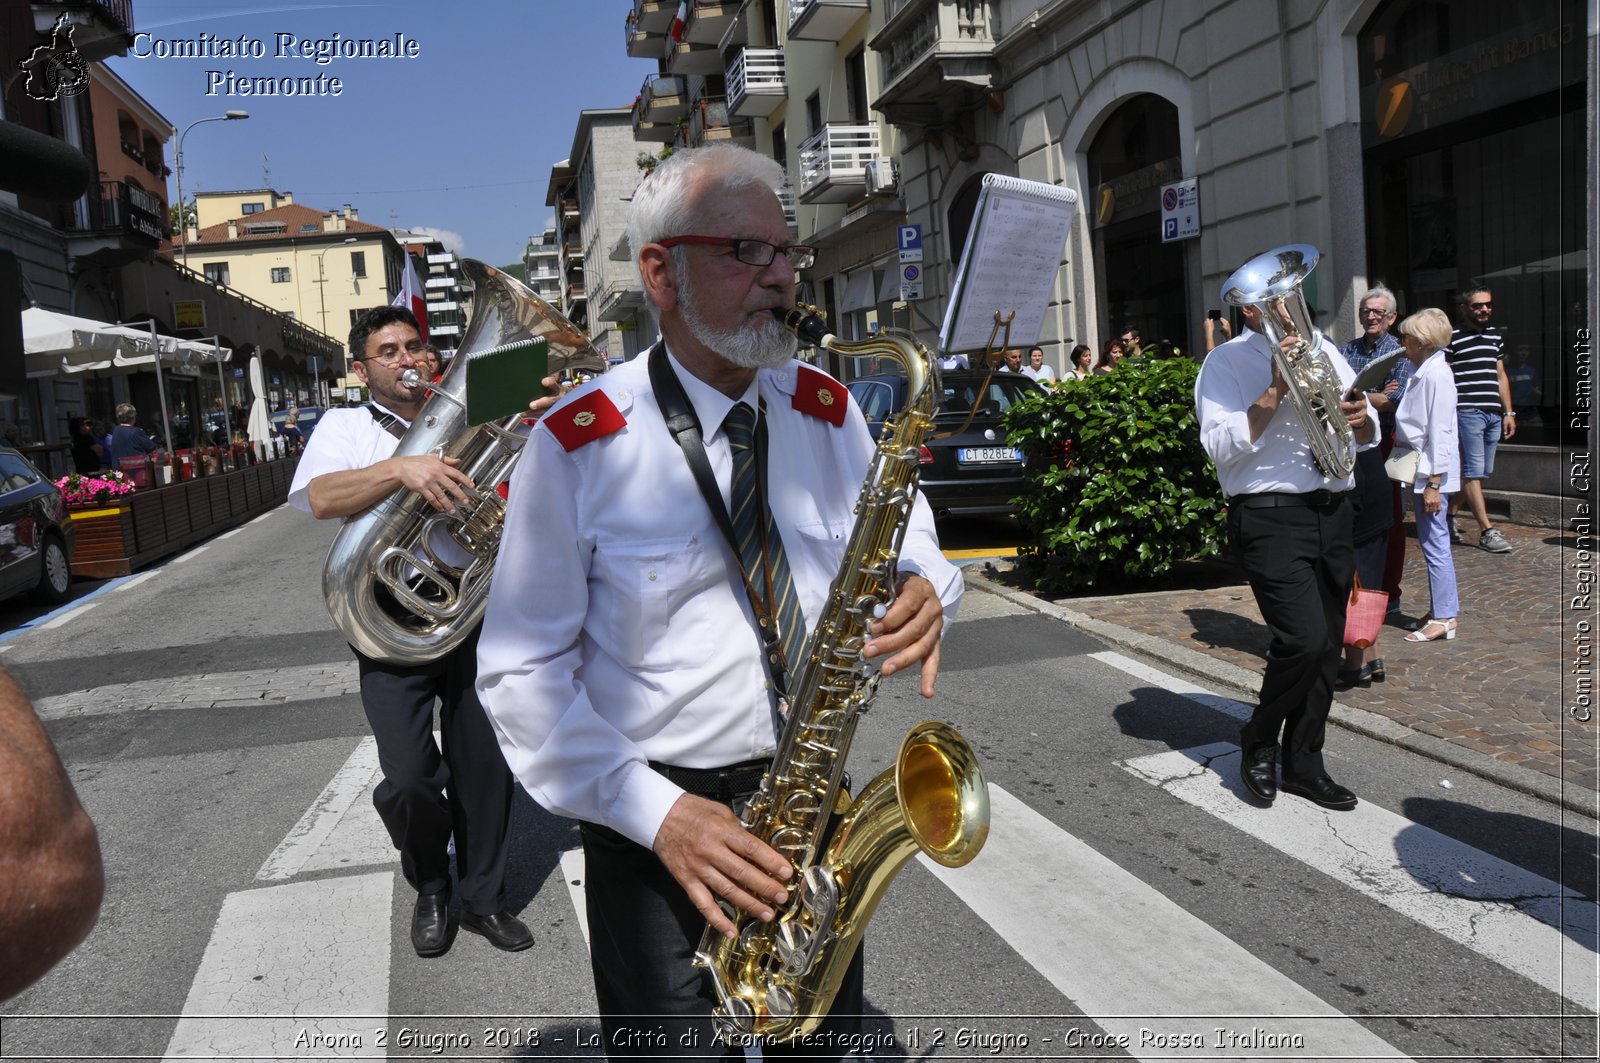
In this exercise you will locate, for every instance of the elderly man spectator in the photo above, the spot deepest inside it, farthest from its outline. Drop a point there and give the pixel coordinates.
(1375, 317)
(128, 440)
(1484, 414)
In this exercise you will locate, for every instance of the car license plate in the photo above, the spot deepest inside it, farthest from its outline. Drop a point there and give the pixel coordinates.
(985, 455)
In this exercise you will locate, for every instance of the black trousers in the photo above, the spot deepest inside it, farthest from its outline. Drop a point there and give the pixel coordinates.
(428, 795)
(1300, 562)
(643, 932)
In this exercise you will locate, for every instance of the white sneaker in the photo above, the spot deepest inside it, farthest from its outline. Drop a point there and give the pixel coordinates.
(1494, 542)
(1455, 532)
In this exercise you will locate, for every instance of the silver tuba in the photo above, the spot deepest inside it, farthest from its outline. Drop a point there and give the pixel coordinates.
(1271, 283)
(388, 589)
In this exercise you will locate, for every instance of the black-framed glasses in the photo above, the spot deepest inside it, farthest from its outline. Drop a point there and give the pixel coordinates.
(1481, 306)
(751, 252)
(1367, 311)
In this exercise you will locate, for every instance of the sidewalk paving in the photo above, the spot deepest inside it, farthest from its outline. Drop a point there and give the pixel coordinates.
(1493, 701)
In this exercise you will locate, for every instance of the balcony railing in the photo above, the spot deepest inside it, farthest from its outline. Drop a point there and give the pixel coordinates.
(786, 198)
(709, 120)
(709, 20)
(935, 55)
(639, 42)
(824, 20)
(114, 206)
(757, 83)
(833, 162)
(663, 97)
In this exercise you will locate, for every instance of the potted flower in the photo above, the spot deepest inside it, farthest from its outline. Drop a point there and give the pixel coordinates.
(95, 489)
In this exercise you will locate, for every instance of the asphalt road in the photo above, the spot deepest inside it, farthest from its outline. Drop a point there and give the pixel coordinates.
(1128, 902)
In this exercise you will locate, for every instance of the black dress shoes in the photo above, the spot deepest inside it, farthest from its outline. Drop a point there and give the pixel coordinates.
(1321, 790)
(1258, 768)
(504, 931)
(430, 923)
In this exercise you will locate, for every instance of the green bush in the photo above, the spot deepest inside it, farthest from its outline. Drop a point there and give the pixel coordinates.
(1120, 490)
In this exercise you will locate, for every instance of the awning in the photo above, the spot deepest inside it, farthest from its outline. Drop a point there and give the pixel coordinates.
(860, 293)
(889, 290)
(53, 342)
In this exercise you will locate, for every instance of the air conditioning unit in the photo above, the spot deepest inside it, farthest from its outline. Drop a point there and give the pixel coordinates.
(883, 176)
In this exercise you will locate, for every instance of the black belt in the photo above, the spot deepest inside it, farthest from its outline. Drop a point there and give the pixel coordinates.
(719, 784)
(1268, 499)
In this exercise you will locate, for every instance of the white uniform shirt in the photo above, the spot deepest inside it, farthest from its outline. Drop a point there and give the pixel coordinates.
(618, 630)
(1426, 422)
(1232, 377)
(345, 439)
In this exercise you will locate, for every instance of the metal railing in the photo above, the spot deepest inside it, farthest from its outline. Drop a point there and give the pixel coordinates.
(757, 70)
(837, 152)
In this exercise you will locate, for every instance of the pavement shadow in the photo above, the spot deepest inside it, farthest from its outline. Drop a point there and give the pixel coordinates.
(538, 839)
(1220, 629)
(1557, 852)
(1157, 715)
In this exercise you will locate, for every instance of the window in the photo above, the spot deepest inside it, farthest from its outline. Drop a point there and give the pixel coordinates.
(813, 112)
(280, 275)
(216, 272)
(358, 263)
(252, 208)
(265, 228)
(310, 227)
(855, 86)
(780, 145)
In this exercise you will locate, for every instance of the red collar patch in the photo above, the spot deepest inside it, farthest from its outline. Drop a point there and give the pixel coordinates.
(820, 395)
(584, 420)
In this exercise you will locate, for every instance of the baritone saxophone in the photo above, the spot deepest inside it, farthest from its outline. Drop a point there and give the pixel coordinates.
(776, 980)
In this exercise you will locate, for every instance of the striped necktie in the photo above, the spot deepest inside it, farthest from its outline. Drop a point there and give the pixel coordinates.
(753, 523)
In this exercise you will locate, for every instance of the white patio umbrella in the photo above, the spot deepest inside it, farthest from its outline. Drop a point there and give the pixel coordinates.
(53, 342)
(259, 425)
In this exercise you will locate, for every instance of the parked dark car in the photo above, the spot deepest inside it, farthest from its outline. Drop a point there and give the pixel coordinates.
(975, 470)
(36, 534)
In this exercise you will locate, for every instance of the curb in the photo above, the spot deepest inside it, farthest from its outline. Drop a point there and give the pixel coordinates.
(1247, 683)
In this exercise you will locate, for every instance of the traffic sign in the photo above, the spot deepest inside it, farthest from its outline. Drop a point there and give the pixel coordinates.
(1180, 210)
(910, 240)
(911, 280)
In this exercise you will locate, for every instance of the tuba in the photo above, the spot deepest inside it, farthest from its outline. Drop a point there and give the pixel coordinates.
(776, 980)
(1271, 283)
(433, 603)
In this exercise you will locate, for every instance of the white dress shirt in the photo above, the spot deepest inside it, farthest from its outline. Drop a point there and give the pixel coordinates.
(345, 439)
(618, 630)
(1233, 376)
(1426, 422)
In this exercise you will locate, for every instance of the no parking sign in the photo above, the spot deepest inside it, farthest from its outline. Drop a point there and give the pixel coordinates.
(1180, 210)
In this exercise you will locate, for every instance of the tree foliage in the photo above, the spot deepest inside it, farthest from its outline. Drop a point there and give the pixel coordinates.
(1120, 490)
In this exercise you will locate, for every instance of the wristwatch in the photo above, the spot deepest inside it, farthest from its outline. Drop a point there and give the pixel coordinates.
(1434, 484)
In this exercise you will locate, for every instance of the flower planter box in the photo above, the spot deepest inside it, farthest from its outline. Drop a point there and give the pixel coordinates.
(134, 530)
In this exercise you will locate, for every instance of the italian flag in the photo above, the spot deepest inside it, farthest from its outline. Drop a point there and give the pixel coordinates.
(679, 20)
(411, 298)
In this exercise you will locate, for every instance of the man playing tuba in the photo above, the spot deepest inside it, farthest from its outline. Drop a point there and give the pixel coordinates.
(1290, 523)
(622, 661)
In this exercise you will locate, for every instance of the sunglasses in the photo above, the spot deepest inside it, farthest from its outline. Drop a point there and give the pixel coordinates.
(1481, 306)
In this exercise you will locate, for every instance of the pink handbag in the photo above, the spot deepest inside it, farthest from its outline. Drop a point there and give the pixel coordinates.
(1363, 618)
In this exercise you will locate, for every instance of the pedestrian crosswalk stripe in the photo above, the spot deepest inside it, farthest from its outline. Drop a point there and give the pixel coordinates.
(1176, 685)
(295, 970)
(1128, 956)
(326, 813)
(572, 870)
(214, 690)
(1520, 920)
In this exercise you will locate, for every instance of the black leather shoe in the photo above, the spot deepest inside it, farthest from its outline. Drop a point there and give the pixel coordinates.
(1373, 670)
(1350, 678)
(430, 923)
(1321, 790)
(504, 931)
(1258, 768)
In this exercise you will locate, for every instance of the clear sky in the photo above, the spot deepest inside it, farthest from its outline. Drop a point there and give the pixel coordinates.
(458, 140)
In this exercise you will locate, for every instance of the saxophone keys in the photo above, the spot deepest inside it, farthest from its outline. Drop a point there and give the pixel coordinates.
(780, 1002)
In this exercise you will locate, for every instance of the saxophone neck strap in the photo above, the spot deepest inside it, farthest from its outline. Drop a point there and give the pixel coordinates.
(678, 412)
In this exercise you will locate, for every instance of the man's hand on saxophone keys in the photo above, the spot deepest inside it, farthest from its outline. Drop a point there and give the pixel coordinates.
(712, 855)
(910, 630)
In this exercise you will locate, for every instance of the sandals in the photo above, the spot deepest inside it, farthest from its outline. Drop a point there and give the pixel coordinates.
(1434, 630)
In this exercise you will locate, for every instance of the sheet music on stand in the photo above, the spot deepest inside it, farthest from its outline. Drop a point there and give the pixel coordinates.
(1014, 248)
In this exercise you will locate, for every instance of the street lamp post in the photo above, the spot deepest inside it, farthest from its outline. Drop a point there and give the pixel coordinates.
(230, 116)
(322, 303)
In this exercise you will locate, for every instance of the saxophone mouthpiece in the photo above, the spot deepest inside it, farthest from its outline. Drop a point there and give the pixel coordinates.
(805, 322)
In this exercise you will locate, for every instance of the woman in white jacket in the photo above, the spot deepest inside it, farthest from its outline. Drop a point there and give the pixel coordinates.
(1426, 423)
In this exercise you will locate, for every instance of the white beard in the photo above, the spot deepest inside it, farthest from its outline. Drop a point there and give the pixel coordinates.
(763, 345)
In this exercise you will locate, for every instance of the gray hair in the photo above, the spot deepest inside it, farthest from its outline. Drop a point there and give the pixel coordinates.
(126, 414)
(663, 207)
(1430, 326)
(1381, 291)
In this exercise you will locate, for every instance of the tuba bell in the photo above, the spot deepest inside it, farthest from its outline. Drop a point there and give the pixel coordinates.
(1271, 282)
(387, 587)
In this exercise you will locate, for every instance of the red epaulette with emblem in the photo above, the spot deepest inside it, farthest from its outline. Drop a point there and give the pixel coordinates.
(584, 420)
(820, 395)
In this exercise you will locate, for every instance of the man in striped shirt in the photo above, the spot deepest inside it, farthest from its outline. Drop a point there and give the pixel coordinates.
(1484, 414)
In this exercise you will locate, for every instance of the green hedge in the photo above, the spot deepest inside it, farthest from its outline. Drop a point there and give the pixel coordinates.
(1119, 489)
